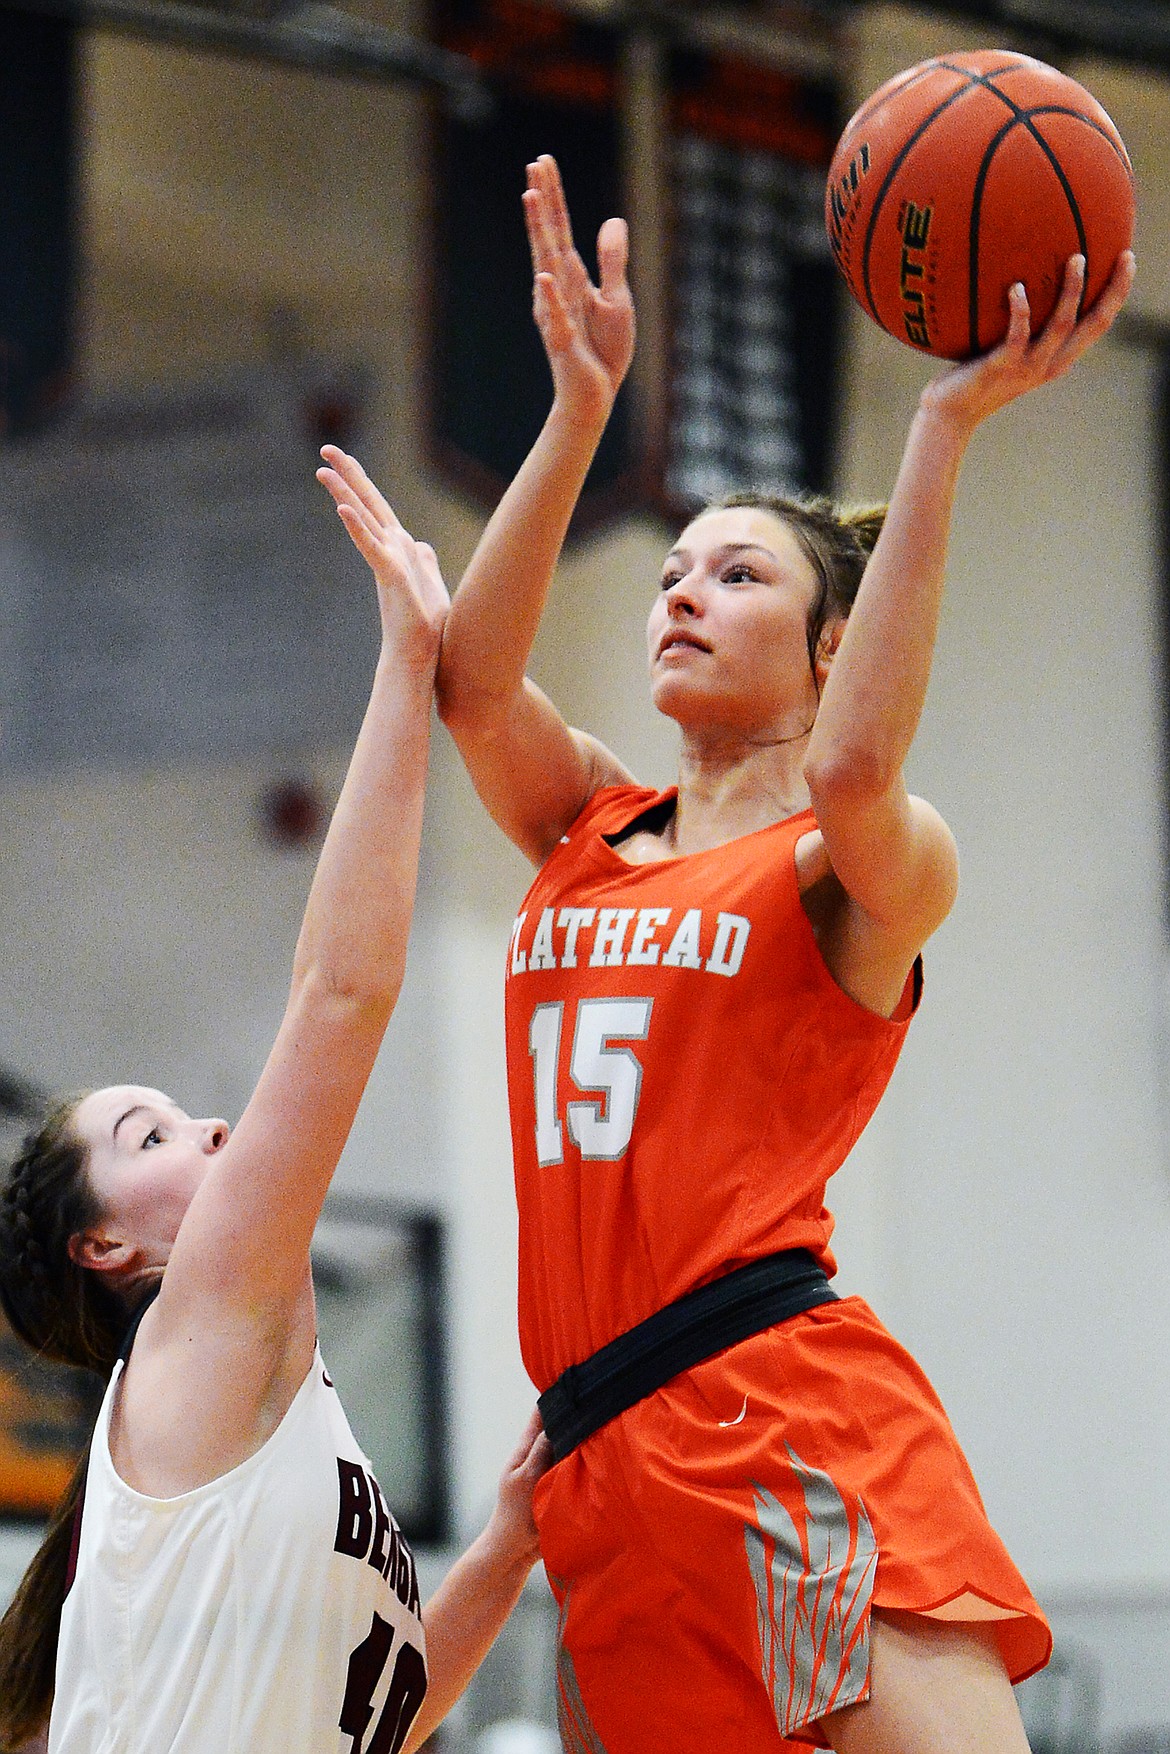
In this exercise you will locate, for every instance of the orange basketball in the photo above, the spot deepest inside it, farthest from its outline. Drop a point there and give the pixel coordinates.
(963, 175)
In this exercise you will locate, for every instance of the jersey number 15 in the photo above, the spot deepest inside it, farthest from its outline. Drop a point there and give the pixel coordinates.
(609, 1077)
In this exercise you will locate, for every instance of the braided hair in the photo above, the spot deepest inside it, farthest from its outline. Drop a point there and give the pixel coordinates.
(53, 1304)
(61, 1311)
(837, 542)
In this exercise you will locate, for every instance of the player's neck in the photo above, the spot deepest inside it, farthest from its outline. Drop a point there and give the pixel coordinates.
(726, 790)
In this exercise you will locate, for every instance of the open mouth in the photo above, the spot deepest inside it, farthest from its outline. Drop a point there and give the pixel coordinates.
(675, 639)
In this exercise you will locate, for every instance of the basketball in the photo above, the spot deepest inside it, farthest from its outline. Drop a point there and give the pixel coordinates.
(963, 175)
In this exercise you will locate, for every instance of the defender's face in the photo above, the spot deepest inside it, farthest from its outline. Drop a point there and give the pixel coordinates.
(146, 1158)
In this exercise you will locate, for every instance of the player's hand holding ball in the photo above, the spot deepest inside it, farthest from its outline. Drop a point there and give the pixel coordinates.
(1023, 361)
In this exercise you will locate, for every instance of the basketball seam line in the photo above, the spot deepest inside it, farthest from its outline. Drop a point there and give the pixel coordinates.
(1089, 122)
(984, 79)
(899, 160)
(876, 103)
(977, 209)
(1053, 109)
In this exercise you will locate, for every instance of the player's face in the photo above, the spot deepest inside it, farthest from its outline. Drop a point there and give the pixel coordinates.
(727, 634)
(145, 1160)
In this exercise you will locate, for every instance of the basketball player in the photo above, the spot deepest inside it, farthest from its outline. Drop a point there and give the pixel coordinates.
(760, 1527)
(236, 1580)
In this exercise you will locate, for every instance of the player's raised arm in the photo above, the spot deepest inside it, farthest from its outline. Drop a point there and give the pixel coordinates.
(245, 1238)
(892, 854)
(532, 771)
(172, 1255)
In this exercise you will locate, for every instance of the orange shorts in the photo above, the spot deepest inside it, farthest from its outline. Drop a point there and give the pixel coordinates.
(716, 1550)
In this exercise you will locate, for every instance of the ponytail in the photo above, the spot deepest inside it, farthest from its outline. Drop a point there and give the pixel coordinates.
(61, 1312)
(29, 1629)
(865, 521)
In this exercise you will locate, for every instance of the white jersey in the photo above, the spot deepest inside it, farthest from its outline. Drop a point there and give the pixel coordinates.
(273, 1611)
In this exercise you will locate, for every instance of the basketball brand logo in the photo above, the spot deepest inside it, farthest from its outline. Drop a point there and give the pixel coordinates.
(841, 193)
(915, 229)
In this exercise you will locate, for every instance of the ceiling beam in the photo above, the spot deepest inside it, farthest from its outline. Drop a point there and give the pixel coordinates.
(315, 37)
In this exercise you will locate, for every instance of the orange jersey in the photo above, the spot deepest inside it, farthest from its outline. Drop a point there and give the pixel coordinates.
(684, 1075)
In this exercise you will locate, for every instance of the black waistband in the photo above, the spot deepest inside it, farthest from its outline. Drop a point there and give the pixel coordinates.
(694, 1327)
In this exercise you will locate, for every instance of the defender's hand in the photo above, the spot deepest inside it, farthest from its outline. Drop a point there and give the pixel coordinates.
(412, 598)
